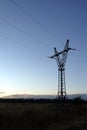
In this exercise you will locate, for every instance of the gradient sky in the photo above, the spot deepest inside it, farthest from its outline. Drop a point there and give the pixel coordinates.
(29, 29)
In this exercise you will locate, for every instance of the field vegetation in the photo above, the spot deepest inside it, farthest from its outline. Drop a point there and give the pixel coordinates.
(43, 116)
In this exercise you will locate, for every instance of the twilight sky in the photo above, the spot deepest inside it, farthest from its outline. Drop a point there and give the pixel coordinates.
(29, 29)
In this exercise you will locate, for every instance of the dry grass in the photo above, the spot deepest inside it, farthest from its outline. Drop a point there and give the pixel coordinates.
(48, 116)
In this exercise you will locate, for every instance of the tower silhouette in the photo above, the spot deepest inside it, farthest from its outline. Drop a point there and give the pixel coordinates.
(61, 61)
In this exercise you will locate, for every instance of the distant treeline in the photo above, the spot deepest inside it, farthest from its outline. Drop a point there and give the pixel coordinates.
(75, 100)
(27, 100)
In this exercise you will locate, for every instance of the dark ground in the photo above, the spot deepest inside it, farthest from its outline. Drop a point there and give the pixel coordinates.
(43, 116)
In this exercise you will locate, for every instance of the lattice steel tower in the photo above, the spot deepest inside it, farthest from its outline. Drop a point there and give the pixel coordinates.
(61, 61)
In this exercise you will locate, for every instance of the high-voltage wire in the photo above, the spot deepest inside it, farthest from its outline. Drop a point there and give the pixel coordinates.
(14, 26)
(18, 29)
(32, 17)
(12, 40)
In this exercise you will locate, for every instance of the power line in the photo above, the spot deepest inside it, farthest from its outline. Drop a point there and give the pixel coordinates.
(17, 28)
(14, 26)
(20, 30)
(11, 39)
(32, 17)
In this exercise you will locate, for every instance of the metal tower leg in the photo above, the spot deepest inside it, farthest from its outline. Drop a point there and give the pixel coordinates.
(61, 83)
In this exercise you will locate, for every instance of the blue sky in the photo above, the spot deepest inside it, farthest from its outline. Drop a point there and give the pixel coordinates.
(29, 29)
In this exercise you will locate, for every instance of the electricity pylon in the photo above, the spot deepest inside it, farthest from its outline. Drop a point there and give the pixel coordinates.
(61, 61)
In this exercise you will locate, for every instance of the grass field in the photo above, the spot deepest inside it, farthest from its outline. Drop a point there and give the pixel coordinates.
(39, 116)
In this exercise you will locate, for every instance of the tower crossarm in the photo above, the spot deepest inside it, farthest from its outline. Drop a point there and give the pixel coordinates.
(64, 53)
